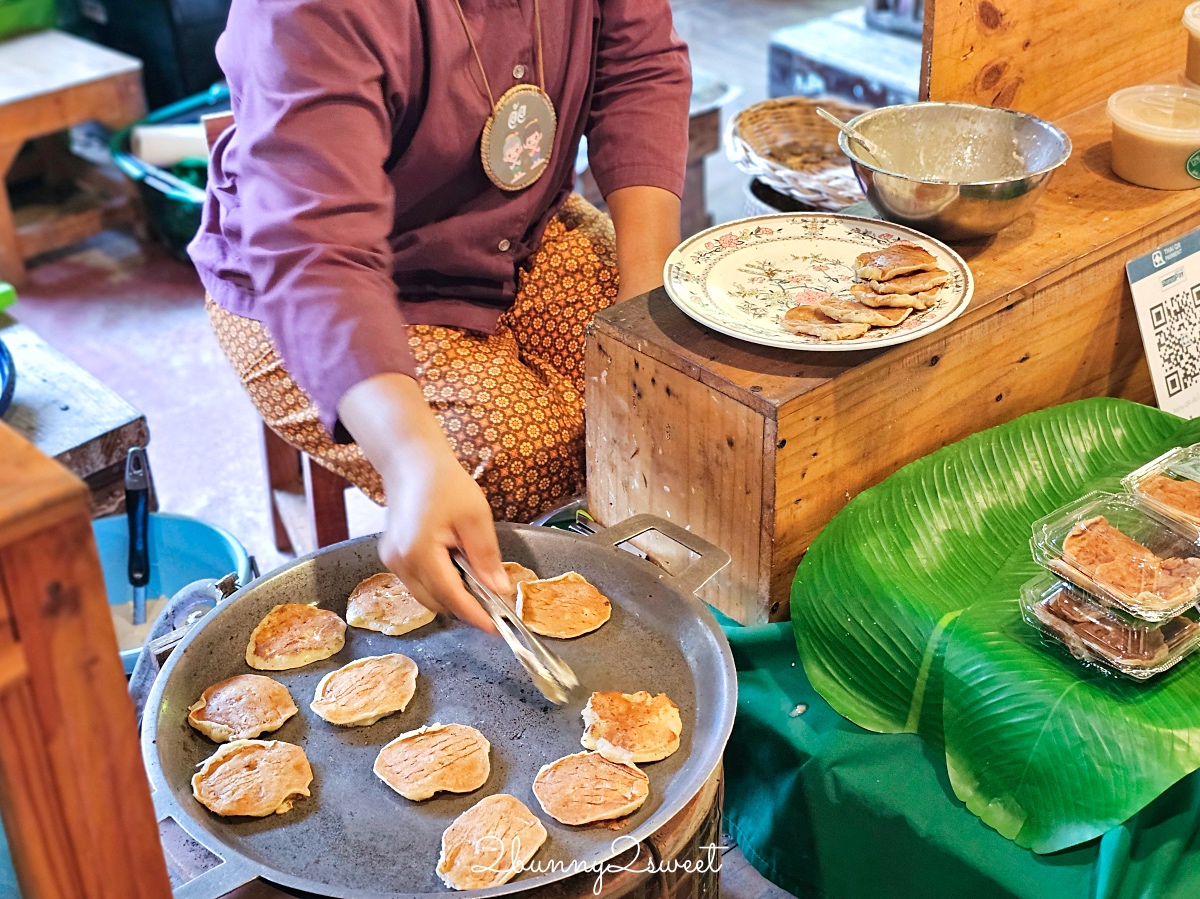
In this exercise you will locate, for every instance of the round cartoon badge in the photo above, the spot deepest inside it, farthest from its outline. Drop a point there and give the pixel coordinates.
(518, 137)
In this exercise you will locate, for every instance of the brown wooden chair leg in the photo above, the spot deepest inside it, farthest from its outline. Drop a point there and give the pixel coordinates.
(12, 264)
(283, 474)
(326, 493)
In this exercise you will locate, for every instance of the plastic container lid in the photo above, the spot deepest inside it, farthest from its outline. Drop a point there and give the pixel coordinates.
(1104, 638)
(1158, 110)
(1191, 18)
(1170, 485)
(1123, 553)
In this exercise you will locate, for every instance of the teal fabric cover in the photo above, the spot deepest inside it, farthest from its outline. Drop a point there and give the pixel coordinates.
(824, 808)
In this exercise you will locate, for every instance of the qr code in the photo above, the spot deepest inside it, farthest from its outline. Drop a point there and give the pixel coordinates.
(1176, 324)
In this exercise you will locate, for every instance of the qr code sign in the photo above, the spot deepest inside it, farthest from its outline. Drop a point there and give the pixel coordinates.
(1176, 325)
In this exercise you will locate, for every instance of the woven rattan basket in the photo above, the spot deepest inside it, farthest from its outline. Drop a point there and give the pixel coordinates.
(786, 145)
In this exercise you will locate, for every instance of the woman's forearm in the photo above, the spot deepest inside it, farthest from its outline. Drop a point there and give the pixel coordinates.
(646, 220)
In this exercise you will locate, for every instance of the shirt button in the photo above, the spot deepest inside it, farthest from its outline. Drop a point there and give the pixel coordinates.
(518, 72)
(503, 246)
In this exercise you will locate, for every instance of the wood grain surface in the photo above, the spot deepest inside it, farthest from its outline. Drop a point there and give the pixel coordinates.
(1048, 57)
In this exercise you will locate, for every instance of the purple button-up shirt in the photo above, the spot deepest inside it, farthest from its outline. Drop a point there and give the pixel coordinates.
(349, 198)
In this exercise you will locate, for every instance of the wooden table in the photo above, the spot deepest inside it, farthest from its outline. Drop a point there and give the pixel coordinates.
(51, 81)
(70, 416)
(755, 449)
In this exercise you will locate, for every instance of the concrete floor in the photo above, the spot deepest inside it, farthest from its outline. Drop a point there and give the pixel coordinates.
(134, 317)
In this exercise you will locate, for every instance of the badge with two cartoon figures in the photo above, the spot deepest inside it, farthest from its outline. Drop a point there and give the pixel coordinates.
(518, 137)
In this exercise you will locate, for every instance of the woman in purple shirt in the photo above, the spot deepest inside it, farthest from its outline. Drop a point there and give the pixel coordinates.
(403, 294)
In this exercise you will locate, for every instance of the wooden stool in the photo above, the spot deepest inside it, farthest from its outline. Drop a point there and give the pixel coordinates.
(307, 501)
(51, 81)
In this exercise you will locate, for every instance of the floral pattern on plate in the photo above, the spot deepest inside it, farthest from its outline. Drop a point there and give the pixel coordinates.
(741, 277)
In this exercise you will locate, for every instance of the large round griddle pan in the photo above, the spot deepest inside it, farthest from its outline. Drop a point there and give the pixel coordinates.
(356, 838)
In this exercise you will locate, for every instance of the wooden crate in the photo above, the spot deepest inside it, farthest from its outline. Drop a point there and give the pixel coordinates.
(756, 449)
(73, 794)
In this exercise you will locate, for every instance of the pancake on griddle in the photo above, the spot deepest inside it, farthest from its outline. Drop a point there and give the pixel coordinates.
(901, 258)
(253, 778)
(587, 787)
(812, 321)
(293, 635)
(915, 283)
(517, 574)
(449, 757)
(918, 301)
(241, 708)
(565, 606)
(366, 690)
(858, 313)
(382, 603)
(489, 843)
(631, 727)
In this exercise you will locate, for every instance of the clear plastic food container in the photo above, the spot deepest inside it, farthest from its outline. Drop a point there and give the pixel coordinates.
(1098, 636)
(1123, 553)
(1170, 485)
(1191, 21)
(1156, 135)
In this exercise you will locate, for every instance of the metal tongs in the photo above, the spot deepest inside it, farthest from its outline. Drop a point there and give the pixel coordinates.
(550, 674)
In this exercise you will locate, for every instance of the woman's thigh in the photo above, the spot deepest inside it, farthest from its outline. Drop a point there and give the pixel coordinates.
(518, 433)
(571, 277)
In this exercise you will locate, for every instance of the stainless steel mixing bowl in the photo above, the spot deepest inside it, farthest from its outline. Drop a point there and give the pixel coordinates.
(954, 170)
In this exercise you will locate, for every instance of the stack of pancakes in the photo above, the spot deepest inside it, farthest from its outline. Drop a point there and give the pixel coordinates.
(893, 283)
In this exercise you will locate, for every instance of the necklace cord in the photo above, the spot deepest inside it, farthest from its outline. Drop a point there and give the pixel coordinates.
(541, 54)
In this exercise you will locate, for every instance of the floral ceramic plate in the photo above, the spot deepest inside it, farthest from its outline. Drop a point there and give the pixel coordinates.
(739, 278)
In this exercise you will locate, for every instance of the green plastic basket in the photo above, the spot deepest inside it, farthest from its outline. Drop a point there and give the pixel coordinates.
(17, 16)
(172, 205)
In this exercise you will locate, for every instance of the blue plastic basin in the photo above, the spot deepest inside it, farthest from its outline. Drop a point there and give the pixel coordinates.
(182, 550)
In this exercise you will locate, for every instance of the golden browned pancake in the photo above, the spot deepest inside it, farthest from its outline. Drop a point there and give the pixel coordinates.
(255, 778)
(241, 708)
(631, 727)
(812, 321)
(489, 843)
(293, 635)
(918, 301)
(1182, 496)
(382, 603)
(450, 757)
(850, 311)
(901, 258)
(587, 787)
(916, 283)
(517, 574)
(565, 606)
(1118, 563)
(366, 690)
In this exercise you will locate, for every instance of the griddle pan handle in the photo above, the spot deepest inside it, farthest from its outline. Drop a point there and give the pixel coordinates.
(711, 558)
(211, 883)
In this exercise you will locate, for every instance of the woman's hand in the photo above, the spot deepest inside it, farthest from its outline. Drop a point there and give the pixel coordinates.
(433, 504)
